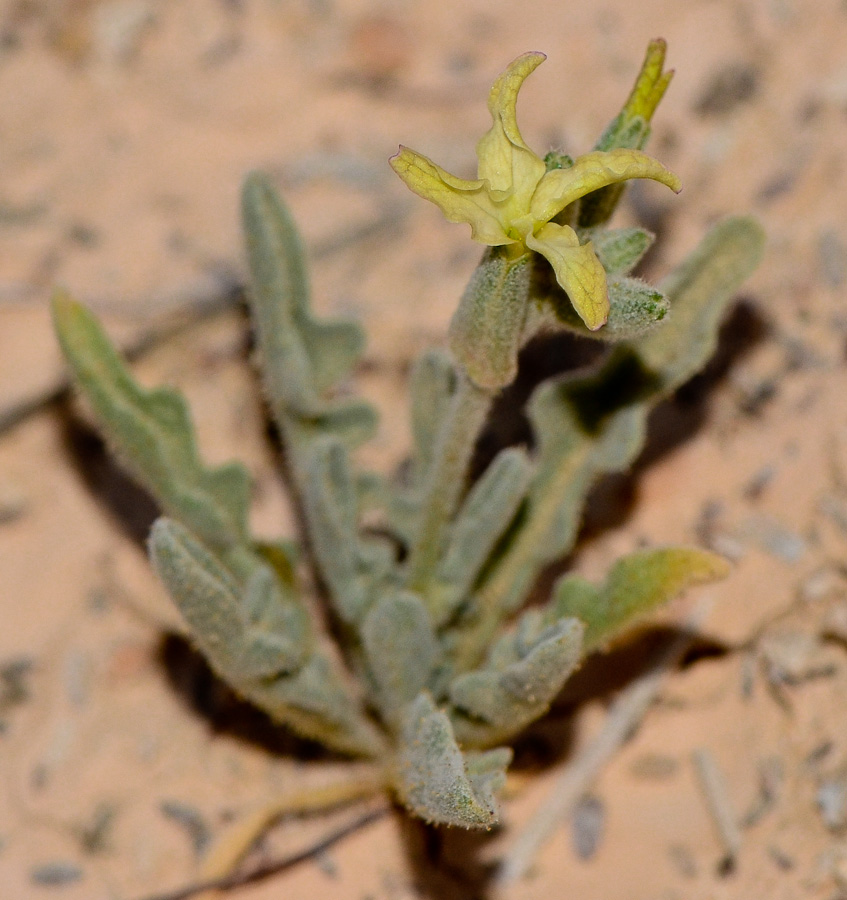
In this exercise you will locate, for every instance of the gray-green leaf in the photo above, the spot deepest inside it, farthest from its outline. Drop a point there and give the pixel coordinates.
(433, 777)
(151, 432)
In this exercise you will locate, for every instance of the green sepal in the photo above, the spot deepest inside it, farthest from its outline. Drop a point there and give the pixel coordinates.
(491, 705)
(635, 308)
(487, 329)
(400, 648)
(435, 780)
(150, 431)
(635, 587)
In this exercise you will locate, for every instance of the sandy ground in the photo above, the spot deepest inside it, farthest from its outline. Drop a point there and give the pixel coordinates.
(126, 127)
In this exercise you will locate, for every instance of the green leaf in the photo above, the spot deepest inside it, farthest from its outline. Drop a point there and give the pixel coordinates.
(433, 383)
(636, 586)
(484, 516)
(699, 291)
(492, 705)
(150, 431)
(331, 506)
(433, 777)
(400, 648)
(302, 358)
(260, 643)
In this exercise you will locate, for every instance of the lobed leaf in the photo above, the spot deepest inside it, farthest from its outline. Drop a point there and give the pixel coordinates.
(636, 586)
(150, 431)
(491, 705)
(589, 425)
(436, 781)
(483, 518)
(400, 648)
(263, 648)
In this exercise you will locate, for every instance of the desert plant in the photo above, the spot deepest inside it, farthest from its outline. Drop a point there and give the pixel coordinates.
(435, 667)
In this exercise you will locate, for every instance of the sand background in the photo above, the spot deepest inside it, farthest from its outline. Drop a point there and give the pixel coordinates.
(126, 127)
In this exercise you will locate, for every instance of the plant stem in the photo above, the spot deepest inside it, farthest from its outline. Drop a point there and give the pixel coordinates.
(468, 411)
(359, 784)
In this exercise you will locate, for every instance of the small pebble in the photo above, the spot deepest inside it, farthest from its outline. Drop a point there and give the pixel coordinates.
(792, 657)
(832, 801)
(832, 254)
(761, 479)
(654, 767)
(56, 874)
(588, 821)
(729, 87)
(823, 584)
(775, 538)
(781, 859)
(191, 820)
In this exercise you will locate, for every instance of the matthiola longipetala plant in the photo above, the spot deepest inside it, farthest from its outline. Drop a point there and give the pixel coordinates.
(433, 667)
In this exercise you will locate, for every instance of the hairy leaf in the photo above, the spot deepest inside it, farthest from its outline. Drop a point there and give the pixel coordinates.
(302, 358)
(281, 672)
(331, 505)
(151, 432)
(618, 249)
(588, 425)
(492, 705)
(483, 518)
(433, 777)
(400, 648)
(635, 587)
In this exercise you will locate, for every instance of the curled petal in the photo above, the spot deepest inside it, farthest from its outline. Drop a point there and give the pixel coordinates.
(577, 269)
(591, 172)
(505, 161)
(459, 200)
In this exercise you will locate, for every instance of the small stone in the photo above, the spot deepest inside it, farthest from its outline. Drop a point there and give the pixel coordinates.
(191, 820)
(775, 538)
(792, 657)
(832, 253)
(654, 767)
(13, 504)
(56, 874)
(588, 821)
(832, 801)
(730, 86)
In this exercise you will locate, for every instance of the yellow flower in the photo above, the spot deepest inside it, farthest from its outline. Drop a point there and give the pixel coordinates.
(515, 198)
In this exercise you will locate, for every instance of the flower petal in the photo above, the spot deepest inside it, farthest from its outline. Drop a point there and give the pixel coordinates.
(505, 161)
(577, 269)
(591, 172)
(459, 200)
